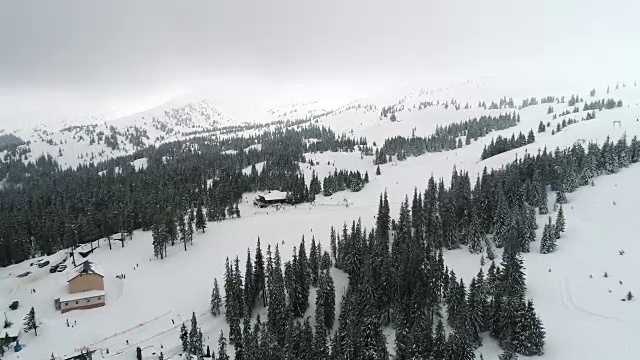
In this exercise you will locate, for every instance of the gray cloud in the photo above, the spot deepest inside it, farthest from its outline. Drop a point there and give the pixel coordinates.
(102, 53)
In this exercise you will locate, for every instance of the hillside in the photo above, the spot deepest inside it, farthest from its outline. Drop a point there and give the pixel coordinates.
(581, 309)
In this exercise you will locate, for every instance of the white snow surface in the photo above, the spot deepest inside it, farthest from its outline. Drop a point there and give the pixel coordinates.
(583, 320)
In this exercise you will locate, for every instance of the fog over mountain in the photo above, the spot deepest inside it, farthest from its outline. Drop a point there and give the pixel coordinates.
(69, 59)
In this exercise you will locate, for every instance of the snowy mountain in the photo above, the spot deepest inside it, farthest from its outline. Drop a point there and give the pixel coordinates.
(581, 308)
(80, 140)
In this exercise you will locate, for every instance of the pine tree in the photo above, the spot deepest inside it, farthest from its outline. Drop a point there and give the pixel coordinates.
(200, 222)
(543, 208)
(560, 224)
(530, 334)
(170, 228)
(184, 338)
(222, 347)
(276, 311)
(326, 298)
(320, 340)
(249, 285)
(378, 170)
(182, 228)
(548, 241)
(475, 235)
(325, 262)
(193, 336)
(259, 275)
(439, 342)
(158, 242)
(30, 322)
(561, 197)
(235, 335)
(334, 247)
(475, 307)
(190, 227)
(508, 355)
(512, 280)
(216, 300)
(314, 262)
(459, 348)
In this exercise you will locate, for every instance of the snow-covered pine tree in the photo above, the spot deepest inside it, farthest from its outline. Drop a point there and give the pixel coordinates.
(475, 235)
(193, 336)
(190, 227)
(235, 334)
(325, 261)
(314, 262)
(222, 348)
(320, 348)
(508, 354)
(236, 210)
(561, 197)
(512, 280)
(560, 224)
(184, 338)
(199, 346)
(259, 276)
(158, 248)
(543, 208)
(531, 332)
(249, 284)
(182, 230)
(548, 241)
(475, 311)
(200, 222)
(330, 301)
(439, 341)
(459, 348)
(216, 300)
(30, 322)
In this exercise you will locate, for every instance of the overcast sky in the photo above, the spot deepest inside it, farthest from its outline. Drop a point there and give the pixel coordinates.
(84, 56)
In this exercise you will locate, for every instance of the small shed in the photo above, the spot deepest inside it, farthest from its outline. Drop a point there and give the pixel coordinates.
(83, 354)
(9, 335)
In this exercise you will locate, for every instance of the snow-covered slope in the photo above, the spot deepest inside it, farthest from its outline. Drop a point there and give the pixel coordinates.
(583, 319)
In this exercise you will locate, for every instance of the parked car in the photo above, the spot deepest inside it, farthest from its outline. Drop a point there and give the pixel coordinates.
(14, 305)
(24, 274)
(44, 263)
(62, 268)
(53, 269)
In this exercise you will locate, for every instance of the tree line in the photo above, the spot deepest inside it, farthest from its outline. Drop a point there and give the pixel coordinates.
(45, 208)
(444, 138)
(504, 144)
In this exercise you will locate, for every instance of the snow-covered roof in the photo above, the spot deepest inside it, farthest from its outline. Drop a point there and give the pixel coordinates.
(275, 195)
(86, 267)
(11, 332)
(81, 295)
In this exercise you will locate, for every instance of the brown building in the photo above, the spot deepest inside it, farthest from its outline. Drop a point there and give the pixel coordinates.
(86, 289)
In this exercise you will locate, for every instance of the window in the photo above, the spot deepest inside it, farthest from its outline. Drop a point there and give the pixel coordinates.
(88, 300)
(77, 302)
(66, 304)
(99, 298)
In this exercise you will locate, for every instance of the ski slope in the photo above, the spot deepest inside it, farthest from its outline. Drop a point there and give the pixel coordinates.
(583, 320)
